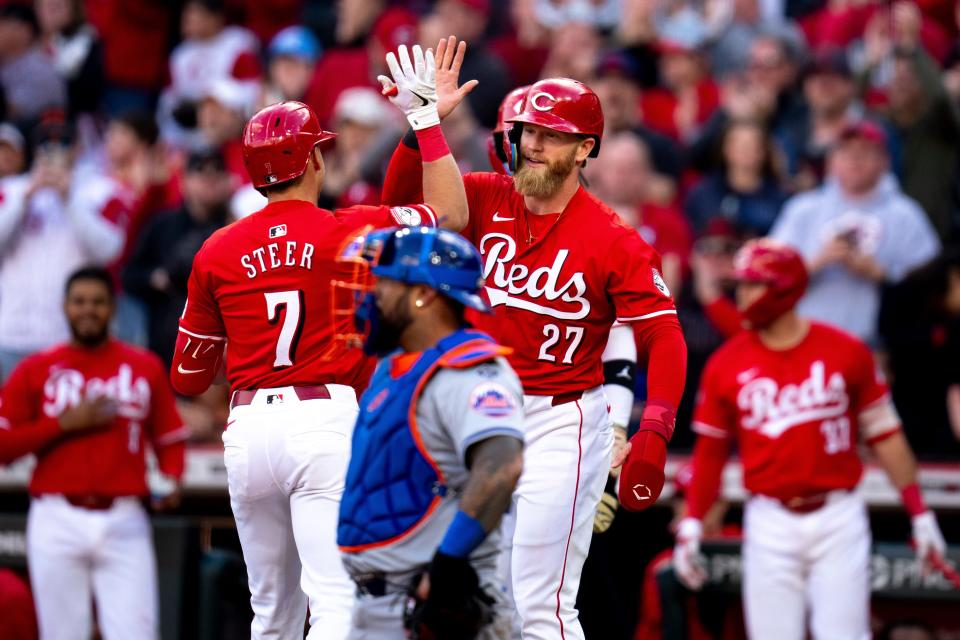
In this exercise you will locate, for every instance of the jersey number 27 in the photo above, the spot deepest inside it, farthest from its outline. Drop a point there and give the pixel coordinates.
(291, 302)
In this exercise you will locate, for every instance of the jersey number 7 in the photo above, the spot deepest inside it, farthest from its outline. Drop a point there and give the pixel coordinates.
(292, 304)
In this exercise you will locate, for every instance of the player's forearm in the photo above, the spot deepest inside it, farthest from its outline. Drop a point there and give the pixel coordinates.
(661, 341)
(403, 182)
(709, 458)
(196, 362)
(896, 459)
(495, 466)
(442, 183)
(27, 438)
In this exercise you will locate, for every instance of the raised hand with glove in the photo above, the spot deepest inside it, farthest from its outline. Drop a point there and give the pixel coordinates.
(413, 88)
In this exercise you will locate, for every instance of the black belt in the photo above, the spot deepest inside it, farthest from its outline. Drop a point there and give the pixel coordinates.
(371, 585)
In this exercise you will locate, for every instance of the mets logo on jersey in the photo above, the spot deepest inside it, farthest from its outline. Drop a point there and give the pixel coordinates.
(377, 400)
(773, 410)
(492, 400)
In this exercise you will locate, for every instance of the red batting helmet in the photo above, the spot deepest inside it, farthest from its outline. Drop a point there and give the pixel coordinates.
(278, 141)
(778, 266)
(563, 105)
(497, 149)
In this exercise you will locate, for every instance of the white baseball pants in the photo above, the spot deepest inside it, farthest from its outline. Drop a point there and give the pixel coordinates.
(546, 535)
(76, 554)
(286, 460)
(799, 564)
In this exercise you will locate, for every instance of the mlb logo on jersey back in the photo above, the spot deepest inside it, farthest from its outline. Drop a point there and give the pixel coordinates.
(492, 399)
(275, 398)
(278, 231)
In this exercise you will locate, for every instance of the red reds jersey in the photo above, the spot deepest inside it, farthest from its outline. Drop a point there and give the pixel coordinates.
(556, 296)
(263, 284)
(797, 414)
(105, 461)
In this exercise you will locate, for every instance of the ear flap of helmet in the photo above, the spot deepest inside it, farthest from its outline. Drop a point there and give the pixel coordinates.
(513, 137)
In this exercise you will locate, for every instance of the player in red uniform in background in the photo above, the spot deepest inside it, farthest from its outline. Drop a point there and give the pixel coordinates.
(88, 409)
(797, 396)
(560, 268)
(262, 288)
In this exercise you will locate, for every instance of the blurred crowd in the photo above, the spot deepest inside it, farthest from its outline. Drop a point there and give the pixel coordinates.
(833, 125)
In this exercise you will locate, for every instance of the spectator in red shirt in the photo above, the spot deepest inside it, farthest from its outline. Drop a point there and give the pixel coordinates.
(687, 97)
(365, 33)
(136, 36)
(524, 49)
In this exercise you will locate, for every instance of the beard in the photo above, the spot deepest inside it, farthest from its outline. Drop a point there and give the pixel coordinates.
(543, 182)
(387, 326)
(90, 339)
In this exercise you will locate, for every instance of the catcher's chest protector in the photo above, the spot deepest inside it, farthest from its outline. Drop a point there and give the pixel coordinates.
(392, 482)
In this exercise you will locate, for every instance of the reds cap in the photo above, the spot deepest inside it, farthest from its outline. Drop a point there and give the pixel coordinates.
(395, 27)
(866, 130)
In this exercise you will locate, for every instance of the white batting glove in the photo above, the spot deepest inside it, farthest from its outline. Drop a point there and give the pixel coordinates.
(414, 86)
(927, 539)
(688, 563)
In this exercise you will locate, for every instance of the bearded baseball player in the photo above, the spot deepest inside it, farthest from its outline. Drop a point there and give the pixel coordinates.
(437, 449)
(262, 286)
(560, 268)
(797, 396)
(619, 357)
(88, 409)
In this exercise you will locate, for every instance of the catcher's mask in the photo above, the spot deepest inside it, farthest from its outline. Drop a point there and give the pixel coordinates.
(440, 259)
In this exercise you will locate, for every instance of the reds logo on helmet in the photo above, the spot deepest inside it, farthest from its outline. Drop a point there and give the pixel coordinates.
(563, 105)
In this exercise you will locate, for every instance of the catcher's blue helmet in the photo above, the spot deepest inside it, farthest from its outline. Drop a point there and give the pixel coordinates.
(438, 258)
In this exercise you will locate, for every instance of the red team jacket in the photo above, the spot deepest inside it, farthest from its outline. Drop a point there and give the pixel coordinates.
(266, 282)
(554, 298)
(106, 461)
(797, 415)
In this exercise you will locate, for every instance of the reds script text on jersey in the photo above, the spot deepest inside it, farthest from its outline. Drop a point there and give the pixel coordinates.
(556, 298)
(266, 282)
(795, 412)
(106, 461)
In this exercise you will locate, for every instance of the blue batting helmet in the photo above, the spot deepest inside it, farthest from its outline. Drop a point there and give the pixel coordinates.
(441, 259)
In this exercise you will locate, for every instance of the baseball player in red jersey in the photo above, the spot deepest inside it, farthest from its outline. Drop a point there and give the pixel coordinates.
(88, 409)
(560, 268)
(262, 288)
(797, 396)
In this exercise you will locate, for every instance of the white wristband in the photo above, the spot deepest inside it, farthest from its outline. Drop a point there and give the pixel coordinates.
(424, 117)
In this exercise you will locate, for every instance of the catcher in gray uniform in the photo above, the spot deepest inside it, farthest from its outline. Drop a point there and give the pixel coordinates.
(437, 448)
